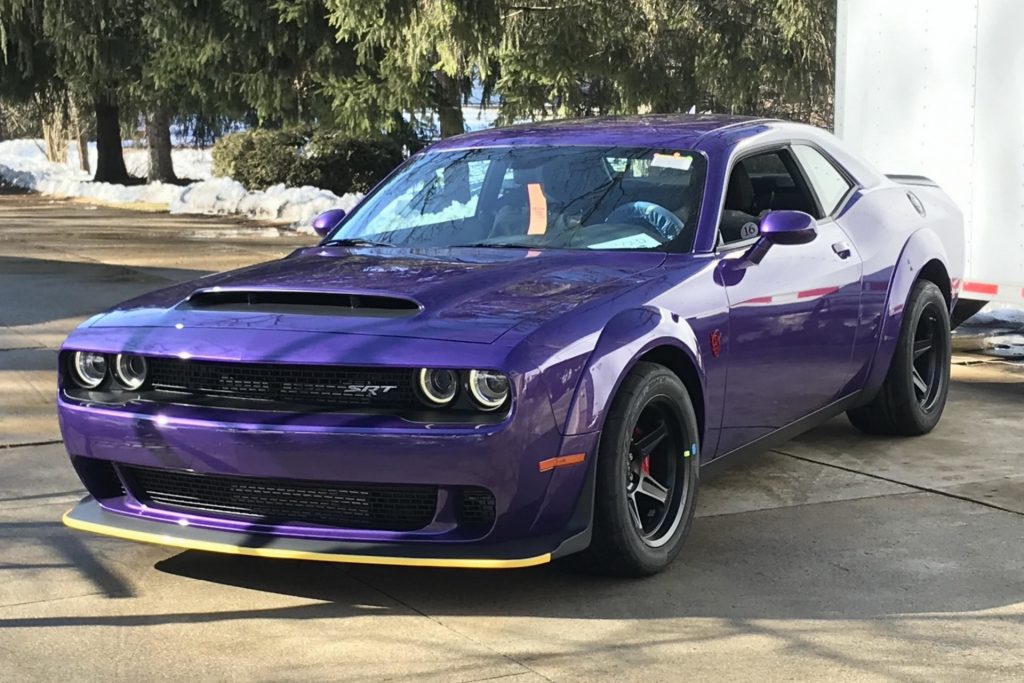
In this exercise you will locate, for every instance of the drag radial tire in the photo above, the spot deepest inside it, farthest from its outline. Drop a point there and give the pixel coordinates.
(647, 475)
(913, 394)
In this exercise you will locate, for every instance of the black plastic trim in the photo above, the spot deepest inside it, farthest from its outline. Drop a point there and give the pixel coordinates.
(781, 435)
(89, 511)
(301, 303)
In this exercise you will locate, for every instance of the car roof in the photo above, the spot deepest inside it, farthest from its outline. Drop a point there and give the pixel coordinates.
(678, 131)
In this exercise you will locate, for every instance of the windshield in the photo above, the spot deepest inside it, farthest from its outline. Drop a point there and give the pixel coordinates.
(536, 197)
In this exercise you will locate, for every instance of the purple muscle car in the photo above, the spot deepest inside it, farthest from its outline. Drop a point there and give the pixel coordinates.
(526, 343)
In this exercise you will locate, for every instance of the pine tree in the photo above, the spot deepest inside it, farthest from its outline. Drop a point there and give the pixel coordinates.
(414, 55)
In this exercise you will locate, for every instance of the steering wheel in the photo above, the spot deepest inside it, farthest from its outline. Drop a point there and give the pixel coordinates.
(653, 219)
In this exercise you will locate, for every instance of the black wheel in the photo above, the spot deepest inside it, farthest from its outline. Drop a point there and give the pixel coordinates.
(647, 475)
(913, 395)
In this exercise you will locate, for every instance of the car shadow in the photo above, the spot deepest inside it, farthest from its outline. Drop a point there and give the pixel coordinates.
(842, 560)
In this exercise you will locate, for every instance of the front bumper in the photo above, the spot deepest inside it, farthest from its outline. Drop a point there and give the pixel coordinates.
(90, 516)
(537, 511)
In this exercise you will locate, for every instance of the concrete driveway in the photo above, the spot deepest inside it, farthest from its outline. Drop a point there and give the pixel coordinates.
(836, 557)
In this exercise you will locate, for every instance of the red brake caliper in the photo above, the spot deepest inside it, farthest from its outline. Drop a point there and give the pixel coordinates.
(645, 464)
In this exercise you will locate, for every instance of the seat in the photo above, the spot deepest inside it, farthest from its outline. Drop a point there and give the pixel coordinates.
(512, 208)
(739, 216)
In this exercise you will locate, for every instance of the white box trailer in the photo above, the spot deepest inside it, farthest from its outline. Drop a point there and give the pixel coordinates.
(937, 89)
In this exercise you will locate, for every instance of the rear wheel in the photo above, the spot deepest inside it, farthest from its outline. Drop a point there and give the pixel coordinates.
(647, 475)
(913, 395)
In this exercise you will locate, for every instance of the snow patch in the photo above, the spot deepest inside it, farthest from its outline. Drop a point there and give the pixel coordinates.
(1005, 346)
(998, 330)
(296, 206)
(23, 163)
(192, 164)
(996, 316)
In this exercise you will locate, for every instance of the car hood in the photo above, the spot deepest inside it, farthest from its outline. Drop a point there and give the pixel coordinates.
(470, 295)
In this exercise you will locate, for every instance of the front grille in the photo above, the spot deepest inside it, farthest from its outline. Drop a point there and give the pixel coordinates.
(358, 506)
(477, 507)
(284, 382)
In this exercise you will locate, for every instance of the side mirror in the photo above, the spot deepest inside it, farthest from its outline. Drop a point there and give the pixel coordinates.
(788, 227)
(327, 221)
(780, 227)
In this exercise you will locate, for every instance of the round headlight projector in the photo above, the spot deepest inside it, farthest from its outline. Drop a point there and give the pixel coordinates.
(438, 387)
(489, 389)
(130, 371)
(89, 369)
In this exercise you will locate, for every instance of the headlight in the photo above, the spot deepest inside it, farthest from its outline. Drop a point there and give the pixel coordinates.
(88, 369)
(130, 370)
(489, 389)
(437, 387)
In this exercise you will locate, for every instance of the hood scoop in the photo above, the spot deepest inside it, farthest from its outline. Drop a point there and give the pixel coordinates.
(300, 303)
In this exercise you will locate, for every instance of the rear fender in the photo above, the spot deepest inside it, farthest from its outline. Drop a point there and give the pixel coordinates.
(922, 247)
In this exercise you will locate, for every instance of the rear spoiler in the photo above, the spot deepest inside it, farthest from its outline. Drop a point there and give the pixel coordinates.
(911, 180)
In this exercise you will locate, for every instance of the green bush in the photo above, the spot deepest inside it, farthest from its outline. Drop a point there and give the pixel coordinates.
(327, 159)
(225, 151)
(261, 158)
(347, 164)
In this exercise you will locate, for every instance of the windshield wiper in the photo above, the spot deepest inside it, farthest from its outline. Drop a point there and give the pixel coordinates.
(356, 242)
(495, 245)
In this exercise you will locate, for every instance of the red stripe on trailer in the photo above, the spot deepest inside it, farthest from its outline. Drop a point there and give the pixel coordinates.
(981, 288)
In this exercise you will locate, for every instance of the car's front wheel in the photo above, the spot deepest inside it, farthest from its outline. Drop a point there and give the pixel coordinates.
(647, 475)
(913, 395)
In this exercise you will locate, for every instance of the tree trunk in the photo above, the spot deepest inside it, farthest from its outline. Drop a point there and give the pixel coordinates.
(55, 135)
(109, 155)
(158, 136)
(83, 151)
(81, 140)
(449, 105)
(55, 139)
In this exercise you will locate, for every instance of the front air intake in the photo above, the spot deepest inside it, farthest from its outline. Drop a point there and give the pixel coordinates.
(280, 501)
(301, 303)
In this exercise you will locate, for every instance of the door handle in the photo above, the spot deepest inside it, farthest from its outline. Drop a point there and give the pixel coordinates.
(842, 249)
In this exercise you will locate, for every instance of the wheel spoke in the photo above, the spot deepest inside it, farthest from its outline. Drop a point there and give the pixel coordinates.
(648, 442)
(919, 384)
(634, 511)
(922, 346)
(652, 489)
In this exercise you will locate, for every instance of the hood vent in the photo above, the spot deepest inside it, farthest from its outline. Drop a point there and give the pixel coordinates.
(301, 303)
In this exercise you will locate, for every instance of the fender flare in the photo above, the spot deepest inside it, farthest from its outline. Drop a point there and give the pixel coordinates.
(922, 247)
(623, 341)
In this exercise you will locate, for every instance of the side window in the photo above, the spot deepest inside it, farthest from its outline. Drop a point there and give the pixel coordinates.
(759, 184)
(828, 183)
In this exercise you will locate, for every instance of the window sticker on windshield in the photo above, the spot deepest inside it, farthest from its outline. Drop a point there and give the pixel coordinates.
(627, 242)
(538, 210)
(676, 161)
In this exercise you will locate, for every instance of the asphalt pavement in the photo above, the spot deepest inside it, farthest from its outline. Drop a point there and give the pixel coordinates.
(835, 557)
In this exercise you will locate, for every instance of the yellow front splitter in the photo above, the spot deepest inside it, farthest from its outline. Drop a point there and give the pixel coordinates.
(89, 516)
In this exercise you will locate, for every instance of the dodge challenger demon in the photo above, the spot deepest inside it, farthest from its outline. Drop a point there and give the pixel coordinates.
(525, 343)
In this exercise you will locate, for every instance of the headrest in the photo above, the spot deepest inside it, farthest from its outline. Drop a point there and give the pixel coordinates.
(740, 194)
